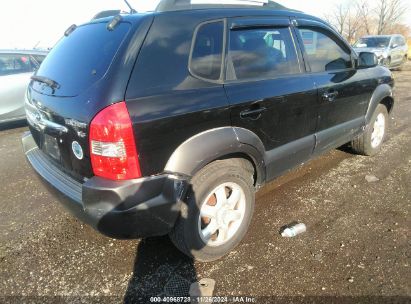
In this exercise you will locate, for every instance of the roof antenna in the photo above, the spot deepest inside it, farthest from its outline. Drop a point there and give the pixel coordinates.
(132, 10)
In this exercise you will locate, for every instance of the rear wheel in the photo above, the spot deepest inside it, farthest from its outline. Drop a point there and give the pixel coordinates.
(217, 211)
(369, 143)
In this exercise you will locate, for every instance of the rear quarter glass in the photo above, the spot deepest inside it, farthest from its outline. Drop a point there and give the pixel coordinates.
(82, 58)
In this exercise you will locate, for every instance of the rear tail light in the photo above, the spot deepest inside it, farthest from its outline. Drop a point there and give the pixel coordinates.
(113, 148)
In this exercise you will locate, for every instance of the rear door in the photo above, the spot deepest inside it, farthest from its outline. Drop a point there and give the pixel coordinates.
(343, 91)
(268, 90)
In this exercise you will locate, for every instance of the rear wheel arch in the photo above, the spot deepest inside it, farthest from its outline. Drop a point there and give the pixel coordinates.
(218, 144)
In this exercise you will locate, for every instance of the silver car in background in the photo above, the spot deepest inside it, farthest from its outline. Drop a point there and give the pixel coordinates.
(16, 68)
(391, 50)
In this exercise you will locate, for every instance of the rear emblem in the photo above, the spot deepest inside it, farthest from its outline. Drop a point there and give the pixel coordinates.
(77, 150)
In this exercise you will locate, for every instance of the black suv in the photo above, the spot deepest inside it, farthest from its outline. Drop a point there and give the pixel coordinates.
(168, 122)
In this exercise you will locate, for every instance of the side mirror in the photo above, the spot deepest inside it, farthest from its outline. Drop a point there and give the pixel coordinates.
(367, 60)
(395, 45)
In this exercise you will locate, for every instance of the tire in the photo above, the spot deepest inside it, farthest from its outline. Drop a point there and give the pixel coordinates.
(224, 175)
(370, 143)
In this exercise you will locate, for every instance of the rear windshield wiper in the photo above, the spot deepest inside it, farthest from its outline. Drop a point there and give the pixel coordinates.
(50, 82)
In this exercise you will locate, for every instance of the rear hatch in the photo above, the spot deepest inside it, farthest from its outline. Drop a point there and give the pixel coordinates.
(86, 71)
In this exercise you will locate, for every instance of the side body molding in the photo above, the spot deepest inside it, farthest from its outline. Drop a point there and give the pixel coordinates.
(205, 147)
(381, 92)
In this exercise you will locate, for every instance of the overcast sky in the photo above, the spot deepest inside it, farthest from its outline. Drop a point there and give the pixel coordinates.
(26, 23)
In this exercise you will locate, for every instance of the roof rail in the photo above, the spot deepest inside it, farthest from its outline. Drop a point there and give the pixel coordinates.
(175, 5)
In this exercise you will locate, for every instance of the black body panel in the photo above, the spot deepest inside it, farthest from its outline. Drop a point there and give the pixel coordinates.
(178, 116)
(182, 123)
(354, 89)
(168, 104)
(290, 104)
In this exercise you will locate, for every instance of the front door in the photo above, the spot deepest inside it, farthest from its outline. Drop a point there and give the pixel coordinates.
(269, 92)
(343, 91)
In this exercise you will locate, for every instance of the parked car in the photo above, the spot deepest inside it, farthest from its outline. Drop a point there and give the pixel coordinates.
(16, 68)
(169, 122)
(391, 50)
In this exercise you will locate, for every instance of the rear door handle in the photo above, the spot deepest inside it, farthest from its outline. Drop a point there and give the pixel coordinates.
(330, 96)
(252, 114)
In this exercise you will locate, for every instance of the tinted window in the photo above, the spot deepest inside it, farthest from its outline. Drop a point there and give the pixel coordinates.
(323, 53)
(398, 41)
(14, 64)
(372, 42)
(261, 53)
(403, 42)
(83, 57)
(394, 41)
(206, 58)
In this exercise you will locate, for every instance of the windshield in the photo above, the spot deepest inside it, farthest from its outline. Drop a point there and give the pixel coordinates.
(82, 58)
(373, 42)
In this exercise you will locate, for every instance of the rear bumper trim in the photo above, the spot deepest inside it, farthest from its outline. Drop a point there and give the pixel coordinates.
(119, 209)
(50, 172)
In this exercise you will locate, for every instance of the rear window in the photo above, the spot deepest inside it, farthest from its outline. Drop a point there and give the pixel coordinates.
(206, 58)
(372, 42)
(11, 64)
(83, 57)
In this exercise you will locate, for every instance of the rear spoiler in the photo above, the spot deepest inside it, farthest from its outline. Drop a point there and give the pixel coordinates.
(104, 14)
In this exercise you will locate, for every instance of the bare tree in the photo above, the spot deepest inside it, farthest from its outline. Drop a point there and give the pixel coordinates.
(364, 13)
(399, 28)
(345, 21)
(366, 17)
(389, 12)
(353, 25)
(338, 17)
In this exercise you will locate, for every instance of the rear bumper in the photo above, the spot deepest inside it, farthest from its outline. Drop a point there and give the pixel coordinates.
(119, 209)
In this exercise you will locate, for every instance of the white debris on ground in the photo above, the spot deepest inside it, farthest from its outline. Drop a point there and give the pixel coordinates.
(371, 178)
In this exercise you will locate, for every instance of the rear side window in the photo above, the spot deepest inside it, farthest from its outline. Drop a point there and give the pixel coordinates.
(83, 57)
(323, 53)
(261, 54)
(11, 64)
(399, 41)
(206, 56)
(403, 41)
